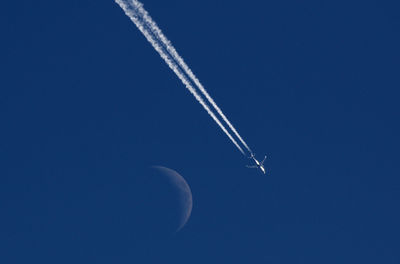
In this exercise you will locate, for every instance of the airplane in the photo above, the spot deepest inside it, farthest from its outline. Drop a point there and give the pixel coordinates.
(259, 165)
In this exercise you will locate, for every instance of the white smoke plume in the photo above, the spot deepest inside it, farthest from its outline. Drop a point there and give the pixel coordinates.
(134, 10)
(161, 37)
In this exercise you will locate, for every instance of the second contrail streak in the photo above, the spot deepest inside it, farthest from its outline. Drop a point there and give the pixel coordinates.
(168, 45)
(131, 11)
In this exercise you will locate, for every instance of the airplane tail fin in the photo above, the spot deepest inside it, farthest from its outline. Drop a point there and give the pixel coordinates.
(252, 155)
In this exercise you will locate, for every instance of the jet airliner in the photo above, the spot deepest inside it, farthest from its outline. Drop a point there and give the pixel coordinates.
(258, 165)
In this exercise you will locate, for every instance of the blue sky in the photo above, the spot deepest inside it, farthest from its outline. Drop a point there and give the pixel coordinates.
(87, 105)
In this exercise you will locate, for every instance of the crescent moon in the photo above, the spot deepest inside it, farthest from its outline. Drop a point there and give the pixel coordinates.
(183, 191)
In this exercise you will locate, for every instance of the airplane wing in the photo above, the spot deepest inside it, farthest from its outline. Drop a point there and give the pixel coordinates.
(262, 162)
(251, 167)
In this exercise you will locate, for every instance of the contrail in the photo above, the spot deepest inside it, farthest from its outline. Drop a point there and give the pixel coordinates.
(131, 12)
(168, 45)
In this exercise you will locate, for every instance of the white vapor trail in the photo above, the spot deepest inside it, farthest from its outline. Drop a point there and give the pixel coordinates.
(130, 9)
(168, 45)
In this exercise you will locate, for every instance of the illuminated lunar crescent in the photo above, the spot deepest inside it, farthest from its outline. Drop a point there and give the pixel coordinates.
(181, 190)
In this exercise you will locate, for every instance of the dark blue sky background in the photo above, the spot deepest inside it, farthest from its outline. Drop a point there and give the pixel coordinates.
(87, 105)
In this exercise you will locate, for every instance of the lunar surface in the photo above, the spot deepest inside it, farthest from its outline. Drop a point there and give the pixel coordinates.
(181, 190)
(164, 201)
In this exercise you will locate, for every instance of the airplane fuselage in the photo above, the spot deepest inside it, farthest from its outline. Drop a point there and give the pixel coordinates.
(259, 165)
